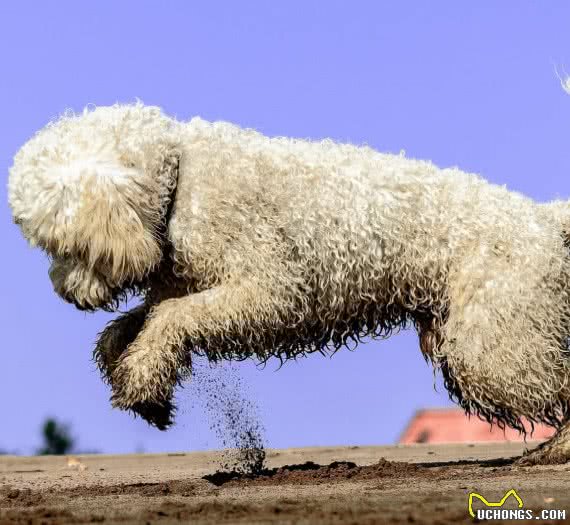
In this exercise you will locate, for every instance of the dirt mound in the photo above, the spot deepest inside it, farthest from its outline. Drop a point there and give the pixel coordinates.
(310, 472)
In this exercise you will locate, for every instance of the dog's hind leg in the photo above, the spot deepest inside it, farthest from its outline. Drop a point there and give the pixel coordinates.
(503, 356)
(554, 451)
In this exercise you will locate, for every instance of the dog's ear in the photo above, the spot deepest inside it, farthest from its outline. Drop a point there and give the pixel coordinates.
(122, 220)
(117, 225)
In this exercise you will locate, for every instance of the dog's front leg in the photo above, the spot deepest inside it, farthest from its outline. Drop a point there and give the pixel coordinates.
(157, 360)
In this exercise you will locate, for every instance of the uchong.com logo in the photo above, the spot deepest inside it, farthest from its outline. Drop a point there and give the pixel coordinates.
(495, 510)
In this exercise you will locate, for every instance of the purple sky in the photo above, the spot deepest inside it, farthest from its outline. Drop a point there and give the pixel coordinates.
(467, 84)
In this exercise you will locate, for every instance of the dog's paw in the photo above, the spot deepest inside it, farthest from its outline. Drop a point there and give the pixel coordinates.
(134, 390)
(556, 454)
(160, 416)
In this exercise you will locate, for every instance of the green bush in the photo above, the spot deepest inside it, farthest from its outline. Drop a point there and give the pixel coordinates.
(57, 439)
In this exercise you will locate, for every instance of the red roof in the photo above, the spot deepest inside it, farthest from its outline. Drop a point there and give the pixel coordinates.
(451, 425)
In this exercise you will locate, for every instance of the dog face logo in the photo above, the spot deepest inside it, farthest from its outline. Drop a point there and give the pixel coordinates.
(507, 495)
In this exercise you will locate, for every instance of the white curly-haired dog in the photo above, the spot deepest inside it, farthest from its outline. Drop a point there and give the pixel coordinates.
(246, 246)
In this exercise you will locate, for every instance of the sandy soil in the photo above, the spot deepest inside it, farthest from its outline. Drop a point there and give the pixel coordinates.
(419, 483)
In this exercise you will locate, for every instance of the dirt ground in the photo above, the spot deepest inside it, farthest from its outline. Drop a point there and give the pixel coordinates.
(357, 485)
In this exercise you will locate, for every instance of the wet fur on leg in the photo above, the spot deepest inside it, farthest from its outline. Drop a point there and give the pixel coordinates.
(112, 343)
(554, 451)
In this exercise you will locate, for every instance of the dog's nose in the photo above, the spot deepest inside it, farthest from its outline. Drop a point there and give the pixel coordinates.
(77, 305)
(69, 298)
(80, 306)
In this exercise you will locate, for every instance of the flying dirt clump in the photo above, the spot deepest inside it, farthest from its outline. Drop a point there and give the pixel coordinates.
(233, 417)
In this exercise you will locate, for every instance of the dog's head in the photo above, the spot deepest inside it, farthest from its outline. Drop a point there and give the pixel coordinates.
(92, 190)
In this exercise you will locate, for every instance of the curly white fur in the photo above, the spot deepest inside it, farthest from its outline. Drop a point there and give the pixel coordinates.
(276, 246)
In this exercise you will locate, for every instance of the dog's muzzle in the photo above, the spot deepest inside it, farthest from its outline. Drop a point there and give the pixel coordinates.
(75, 283)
